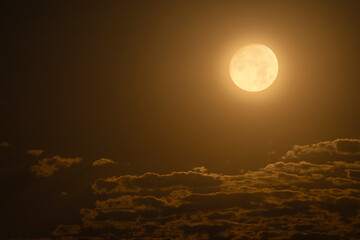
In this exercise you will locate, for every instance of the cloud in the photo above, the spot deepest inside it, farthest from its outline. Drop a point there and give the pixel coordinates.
(47, 166)
(155, 182)
(312, 192)
(62, 230)
(102, 161)
(35, 152)
(4, 144)
(201, 169)
(340, 149)
(354, 174)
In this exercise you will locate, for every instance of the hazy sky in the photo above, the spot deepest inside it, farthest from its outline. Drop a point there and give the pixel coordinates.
(144, 86)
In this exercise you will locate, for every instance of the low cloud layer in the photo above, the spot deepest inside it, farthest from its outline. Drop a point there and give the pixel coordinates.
(290, 199)
(312, 192)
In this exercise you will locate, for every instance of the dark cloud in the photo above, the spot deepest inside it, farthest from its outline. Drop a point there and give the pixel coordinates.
(47, 166)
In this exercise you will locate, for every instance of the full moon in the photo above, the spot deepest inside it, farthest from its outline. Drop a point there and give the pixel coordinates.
(254, 67)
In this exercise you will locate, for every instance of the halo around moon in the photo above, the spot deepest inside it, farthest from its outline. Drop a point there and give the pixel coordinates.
(254, 67)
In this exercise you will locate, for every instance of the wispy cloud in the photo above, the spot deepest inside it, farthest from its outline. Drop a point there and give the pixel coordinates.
(102, 161)
(47, 166)
(35, 152)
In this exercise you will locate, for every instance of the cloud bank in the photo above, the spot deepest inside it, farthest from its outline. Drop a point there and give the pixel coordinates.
(312, 192)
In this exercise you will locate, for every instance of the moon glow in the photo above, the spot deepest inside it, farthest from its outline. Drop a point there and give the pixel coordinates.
(254, 67)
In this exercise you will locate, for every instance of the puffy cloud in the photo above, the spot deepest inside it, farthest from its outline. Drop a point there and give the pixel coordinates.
(340, 149)
(47, 166)
(4, 144)
(102, 161)
(35, 152)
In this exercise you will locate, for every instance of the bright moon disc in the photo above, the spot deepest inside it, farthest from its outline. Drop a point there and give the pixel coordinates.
(254, 67)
